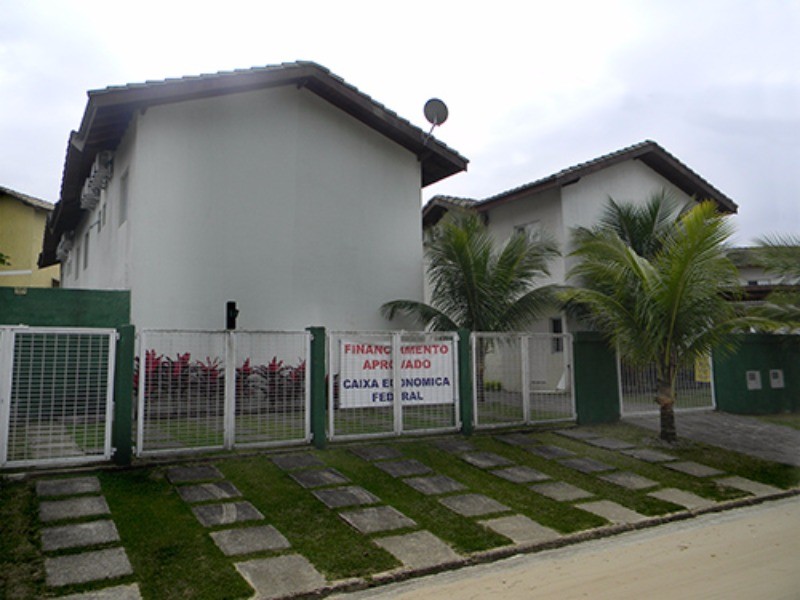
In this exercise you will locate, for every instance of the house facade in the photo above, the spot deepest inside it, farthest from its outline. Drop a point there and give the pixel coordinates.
(22, 223)
(281, 188)
(576, 196)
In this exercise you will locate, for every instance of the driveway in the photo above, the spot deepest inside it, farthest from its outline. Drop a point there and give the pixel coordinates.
(739, 433)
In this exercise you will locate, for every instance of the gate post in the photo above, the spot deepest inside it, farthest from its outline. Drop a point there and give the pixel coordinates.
(317, 384)
(465, 382)
(122, 430)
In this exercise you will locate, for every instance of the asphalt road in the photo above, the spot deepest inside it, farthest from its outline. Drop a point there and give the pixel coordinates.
(747, 553)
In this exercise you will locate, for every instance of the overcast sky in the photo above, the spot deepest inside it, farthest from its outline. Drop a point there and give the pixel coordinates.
(532, 87)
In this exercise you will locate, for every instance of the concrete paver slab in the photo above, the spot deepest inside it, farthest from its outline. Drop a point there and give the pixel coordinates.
(280, 576)
(73, 508)
(435, 485)
(748, 485)
(86, 566)
(418, 550)
(377, 519)
(314, 478)
(473, 505)
(628, 480)
(403, 468)
(682, 498)
(485, 460)
(648, 455)
(345, 496)
(211, 515)
(454, 445)
(610, 443)
(79, 535)
(68, 487)
(518, 439)
(246, 540)
(117, 592)
(586, 465)
(561, 491)
(521, 530)
(220, 490)
(300, 460)
(546, 451)
(616, 513)
(521, 474)
(191, 473)
(577, 433)
(693, 468)
(376, 452)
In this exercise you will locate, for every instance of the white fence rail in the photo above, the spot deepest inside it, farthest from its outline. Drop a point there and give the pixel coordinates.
(56, 395)
(638, 386)
(389, 383)
(521, 378)
(204, 390)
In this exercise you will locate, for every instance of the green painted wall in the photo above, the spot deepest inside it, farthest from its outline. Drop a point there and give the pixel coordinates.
(762, 353)
(596, 385)
(42, 307)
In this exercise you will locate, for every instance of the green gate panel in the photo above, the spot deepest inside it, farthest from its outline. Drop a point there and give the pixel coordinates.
(596, 383)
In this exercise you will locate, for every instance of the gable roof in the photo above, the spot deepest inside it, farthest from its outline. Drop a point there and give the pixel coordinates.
(25, 199)
(649, 152)
(109, 111)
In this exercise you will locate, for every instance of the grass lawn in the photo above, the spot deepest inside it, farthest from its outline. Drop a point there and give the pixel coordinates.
(174, 557)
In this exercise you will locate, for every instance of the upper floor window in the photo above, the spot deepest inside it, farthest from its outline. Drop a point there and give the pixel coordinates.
(86, 250)
(532, 230)
(123, 198)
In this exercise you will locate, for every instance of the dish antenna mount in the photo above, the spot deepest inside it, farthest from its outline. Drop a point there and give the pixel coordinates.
(436, 112)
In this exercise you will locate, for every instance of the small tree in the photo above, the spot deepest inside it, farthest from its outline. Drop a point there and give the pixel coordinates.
(665, 310)
(4, 260)
(478, 286)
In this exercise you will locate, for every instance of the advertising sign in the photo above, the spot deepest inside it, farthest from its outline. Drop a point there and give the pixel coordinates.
(366, 373)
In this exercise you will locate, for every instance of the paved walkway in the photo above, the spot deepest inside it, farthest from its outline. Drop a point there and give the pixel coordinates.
(80, 551)
(747, 435)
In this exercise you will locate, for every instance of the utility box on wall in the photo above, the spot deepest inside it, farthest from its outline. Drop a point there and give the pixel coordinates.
(760, 376)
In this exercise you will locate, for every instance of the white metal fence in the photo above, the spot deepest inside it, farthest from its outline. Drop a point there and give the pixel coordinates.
(56, 395)
(522, 378)
(388, 383)
(638, 387)
(203, 390)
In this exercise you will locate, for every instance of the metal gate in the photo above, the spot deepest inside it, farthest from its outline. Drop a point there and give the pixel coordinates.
(638, 386)
(522, 378)
(56, 395)
(206, 390)
(390, 383)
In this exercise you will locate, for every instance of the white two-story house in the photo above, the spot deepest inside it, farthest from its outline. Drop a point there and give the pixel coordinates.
(576, 196)
(282, 188)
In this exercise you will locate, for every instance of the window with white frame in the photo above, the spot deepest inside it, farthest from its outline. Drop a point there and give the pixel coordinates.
(532, 229)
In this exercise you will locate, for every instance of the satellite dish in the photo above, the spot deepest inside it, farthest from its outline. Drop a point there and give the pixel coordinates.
(435, 111)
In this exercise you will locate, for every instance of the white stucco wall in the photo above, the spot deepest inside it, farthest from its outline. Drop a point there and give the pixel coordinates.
(274, 199)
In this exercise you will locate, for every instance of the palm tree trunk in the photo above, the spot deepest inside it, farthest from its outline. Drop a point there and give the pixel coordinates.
(666, 402)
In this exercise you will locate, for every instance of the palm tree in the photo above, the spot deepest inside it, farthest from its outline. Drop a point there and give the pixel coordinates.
(642, 227)
(477, 286)
(780, 255)
(667, 309)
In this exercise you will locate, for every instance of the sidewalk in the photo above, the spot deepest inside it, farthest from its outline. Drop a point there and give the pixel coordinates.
(739, 433)
(745, 553)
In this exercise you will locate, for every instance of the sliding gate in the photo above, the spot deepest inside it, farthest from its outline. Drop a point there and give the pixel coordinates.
(56, 395)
